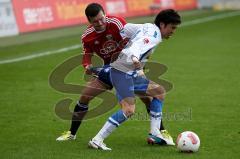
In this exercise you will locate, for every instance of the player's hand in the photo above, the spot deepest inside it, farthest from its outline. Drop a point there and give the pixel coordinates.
(88, 69)
(96, 70)
(140, 72)
(136, 62)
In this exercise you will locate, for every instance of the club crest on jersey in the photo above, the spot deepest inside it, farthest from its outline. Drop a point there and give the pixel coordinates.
(109, 36)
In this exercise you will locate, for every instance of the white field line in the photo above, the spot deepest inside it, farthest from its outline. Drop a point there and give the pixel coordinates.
(62, 50)
(33, 56)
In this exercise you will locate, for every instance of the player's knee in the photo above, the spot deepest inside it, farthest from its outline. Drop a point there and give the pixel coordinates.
(156, 90)
(128, 106)
(161, 97)
(128, 110)
(160, 93)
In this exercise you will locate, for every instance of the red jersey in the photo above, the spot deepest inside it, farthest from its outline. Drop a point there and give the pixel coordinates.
(104, 44)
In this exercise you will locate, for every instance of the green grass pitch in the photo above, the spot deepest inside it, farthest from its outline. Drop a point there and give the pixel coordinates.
(203, 63)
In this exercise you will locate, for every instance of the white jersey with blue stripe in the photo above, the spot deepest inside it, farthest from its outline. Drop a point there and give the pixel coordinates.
(143, 39)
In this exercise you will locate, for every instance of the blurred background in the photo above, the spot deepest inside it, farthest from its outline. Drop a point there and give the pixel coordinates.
(202, 58)
(17, 17)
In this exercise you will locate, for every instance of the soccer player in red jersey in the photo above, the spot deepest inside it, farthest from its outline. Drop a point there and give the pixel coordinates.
(103, 38)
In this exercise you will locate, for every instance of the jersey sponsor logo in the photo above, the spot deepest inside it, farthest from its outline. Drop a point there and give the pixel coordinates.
(145, 40)
(109, 46)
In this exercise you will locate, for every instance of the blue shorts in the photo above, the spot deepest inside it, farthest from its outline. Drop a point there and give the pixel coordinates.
(127, 85)
(104, 76)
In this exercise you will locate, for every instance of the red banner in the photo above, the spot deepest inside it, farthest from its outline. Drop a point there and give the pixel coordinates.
(32, 15)
(138, 7)
(185, 4)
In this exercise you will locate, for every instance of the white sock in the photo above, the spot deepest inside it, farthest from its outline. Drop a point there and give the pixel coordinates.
(155, 122)
(106, 130)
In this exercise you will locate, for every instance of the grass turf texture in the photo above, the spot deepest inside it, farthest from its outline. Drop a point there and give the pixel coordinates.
(203, 65)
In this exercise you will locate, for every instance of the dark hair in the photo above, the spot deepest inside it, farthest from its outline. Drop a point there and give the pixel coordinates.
(93, 9)
(168, 16)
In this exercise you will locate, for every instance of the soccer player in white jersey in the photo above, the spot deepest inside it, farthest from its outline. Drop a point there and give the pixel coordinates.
(128, 70)
(102, 37)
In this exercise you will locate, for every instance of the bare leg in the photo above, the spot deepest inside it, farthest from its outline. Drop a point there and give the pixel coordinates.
(92, 89)
(155, 90)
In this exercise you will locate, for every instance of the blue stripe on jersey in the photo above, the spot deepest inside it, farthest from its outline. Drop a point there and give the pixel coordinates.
(155, 34)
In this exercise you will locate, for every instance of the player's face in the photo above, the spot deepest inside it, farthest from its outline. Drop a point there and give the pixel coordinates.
(167, 30)
(99, 21)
